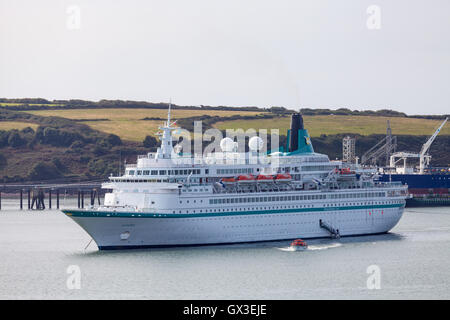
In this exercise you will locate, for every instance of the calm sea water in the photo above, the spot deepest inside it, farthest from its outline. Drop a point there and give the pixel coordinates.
(36, 249)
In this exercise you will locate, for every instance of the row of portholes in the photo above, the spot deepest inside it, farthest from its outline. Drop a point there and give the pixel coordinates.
(245, 209)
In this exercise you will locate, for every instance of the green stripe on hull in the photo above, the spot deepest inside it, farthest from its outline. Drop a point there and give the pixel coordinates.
(111, 214)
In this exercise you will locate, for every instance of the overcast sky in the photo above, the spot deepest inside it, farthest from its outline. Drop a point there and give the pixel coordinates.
(318, 53)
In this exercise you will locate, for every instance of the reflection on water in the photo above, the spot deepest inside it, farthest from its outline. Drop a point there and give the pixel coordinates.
(36, 248)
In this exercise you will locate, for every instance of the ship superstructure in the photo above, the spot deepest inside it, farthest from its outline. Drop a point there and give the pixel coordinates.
(167, 199)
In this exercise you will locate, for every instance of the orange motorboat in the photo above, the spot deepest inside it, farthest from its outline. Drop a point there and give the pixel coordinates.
(299, 244)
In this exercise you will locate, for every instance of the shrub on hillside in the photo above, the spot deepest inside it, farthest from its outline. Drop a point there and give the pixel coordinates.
(58, 137)
(4, 135)
(113, 140)
(3, 161)
(150, 142)
(44, 171)
(100, 168)
(15, 140)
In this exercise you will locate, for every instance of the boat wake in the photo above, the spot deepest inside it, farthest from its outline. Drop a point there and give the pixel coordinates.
(326, 246)
(312, 248)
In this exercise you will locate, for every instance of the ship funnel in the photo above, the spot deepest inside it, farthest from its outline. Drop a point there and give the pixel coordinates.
(298, 137)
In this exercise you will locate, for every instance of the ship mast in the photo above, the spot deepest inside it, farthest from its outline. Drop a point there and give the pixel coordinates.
(166, 149)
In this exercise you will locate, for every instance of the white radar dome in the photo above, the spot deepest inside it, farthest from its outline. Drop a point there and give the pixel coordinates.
(227, 144)
(255, 143)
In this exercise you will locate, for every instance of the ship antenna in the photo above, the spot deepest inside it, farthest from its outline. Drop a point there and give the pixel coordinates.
(168, 113)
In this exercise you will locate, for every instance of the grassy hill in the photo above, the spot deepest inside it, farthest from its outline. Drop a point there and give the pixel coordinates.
(336, 124)
(128, 124)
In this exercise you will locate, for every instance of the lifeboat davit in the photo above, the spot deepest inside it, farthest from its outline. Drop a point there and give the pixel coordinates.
(246, 178)
(299, 245)
(283, 177)
(228, 180)
(264, 178)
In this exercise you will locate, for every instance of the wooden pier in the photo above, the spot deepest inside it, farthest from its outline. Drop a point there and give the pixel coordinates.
(37, 194)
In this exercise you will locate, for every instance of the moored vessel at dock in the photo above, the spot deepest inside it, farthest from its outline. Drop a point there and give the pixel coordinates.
(427, 186)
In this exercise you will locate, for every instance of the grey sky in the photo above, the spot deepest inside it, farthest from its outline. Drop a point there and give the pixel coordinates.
(295, 53)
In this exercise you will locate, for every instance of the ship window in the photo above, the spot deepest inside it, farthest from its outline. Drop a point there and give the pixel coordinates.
(146, 172)
(131, 172)
(162, 172)
(154, 172)
(139, 172)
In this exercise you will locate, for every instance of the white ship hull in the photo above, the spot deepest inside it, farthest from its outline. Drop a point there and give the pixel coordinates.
(122, 230)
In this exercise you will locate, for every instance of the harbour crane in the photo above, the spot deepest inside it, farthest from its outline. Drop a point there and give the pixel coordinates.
(424, 157)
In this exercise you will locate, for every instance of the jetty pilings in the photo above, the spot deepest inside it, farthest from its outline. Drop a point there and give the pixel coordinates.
(36, 194)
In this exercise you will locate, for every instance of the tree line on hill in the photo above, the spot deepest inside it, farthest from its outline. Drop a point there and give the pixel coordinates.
(23, 104)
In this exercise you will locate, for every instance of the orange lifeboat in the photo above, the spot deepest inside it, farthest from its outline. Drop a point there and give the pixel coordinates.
(264, 178)
(283, 177)
(346, 171)
(346, 174)
(246, 178)
(228, 180)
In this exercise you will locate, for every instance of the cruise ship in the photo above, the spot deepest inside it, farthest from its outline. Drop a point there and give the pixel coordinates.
(171, 199)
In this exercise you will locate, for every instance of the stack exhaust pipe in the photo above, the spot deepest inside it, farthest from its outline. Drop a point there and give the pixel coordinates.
(296, 125)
